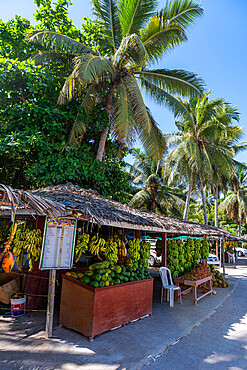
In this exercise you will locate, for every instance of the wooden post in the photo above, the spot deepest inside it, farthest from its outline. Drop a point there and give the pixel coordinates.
(164, 249)
(138, 234)
(216, 249)
(50, 303)
(220, 251)
(223, 256)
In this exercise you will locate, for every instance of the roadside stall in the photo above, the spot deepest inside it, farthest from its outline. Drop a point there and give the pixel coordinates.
(20, 215)
(104, 284)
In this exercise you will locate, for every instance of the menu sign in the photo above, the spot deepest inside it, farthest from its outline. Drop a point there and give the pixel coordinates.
(58, 244)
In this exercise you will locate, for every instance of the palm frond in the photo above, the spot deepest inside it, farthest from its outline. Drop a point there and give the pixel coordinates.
(130, 51)
(42, 57)
(141, 198)
(123, 127)
(159, 37)
(107, 13)
(91, 97)
(71, 88)
(175, 81)
(133, 14)
(162, 97)
(57, 42)
(152, 140)
(77, 131)
(183, 12)
(89, 67)
(141, 115)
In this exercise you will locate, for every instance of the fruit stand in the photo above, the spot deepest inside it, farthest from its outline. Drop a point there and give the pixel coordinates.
(118, 289)
(193, 285)
(96, 310)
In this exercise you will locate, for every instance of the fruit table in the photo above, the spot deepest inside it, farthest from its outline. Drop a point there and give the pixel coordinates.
(193, 285)
(92, 311)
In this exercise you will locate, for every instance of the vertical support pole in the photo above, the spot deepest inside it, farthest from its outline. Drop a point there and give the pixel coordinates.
(220, 252)
(205, 239)
(138, 234)
(223, 255)
(164, 249)
(50, 303)
(217, 245)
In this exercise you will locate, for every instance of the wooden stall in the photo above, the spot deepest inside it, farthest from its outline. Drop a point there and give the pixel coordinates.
(85, 308)
(92, 311)
(193, 285)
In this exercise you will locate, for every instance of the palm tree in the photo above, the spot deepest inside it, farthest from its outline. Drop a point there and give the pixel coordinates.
(152, 194)
(221, 180)
(138, 36)
(204, 150)
(235, 203)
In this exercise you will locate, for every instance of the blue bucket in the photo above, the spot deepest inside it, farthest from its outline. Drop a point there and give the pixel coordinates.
(18, 306)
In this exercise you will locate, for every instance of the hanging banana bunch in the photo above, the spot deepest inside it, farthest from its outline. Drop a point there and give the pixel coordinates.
(33, 246)
(122, 251)
(145, 252)
(96, 246)
(134, 249)
(20, 245)
(204, 250)
(111, 251)
(29, 242)
(82, 245)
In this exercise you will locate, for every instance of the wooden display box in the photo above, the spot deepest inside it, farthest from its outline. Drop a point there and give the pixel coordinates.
(92, 311)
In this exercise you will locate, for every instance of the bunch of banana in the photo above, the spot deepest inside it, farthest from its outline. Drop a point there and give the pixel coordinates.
(111, 251)
(134, 249)
(145, 252)
(122, 251)
(82, 245)
(96, 245)
(29, 242)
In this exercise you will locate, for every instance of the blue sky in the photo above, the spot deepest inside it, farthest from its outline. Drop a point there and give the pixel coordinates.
(216, 50)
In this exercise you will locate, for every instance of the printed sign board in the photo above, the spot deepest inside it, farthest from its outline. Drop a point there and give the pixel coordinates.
(58, 244)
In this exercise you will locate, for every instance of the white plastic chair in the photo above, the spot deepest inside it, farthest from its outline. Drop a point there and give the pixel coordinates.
(164, 272)
(231, 258)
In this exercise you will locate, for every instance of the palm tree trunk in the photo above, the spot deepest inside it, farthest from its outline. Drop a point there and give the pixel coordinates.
(239, 227)
(204, 206)
(216, 212)
(102, 141)
(187, 204)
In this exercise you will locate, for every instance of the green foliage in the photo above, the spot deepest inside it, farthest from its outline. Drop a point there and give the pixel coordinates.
(53, 16)
(13, 42)
(34, 133)
(125, 63)
(151, 191)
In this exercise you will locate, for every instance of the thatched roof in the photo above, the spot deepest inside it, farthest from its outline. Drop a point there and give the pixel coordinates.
(13, 200)
(95, 208)
(92, 206)
(175, 225)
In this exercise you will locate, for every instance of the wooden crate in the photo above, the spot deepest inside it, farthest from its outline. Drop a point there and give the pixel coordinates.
(92, 311)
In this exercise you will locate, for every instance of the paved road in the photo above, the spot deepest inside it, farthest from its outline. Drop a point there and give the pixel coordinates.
(220, 342)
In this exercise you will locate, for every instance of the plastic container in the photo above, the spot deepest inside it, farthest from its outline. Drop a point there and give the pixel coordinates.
(18, 306)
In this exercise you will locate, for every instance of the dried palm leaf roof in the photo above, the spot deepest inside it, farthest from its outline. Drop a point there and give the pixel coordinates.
(12, 199)
(94, 207)
(104, 211)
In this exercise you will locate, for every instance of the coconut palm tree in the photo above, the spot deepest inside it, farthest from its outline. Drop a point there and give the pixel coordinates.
(137, 36)
(203, 151)
(235, 203)
(152, 193)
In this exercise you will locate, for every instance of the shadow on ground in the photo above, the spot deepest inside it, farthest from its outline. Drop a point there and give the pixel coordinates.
(23, 346)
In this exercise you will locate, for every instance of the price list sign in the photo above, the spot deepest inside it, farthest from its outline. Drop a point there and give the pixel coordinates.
(58, 244)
